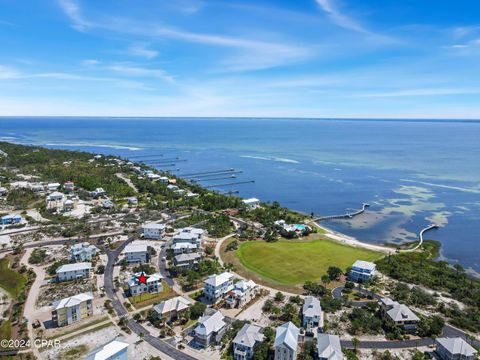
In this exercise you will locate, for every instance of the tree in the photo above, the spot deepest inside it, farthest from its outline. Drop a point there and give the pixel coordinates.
(100, 269)
(279, 296)
(325, 280)
(334, 273)
(197, 310)
(355, 343)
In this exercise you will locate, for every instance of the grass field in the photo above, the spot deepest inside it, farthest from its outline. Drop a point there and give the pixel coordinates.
(292, 263)
(11, 281)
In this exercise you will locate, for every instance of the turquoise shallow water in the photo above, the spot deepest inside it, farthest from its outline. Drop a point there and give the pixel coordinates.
(411, 172)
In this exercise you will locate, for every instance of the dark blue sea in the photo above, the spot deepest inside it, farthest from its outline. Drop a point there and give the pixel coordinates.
(412, 172)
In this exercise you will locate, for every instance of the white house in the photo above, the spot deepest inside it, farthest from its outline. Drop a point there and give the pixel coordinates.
(312, 314)
(136, 252)
(83, 252)
(114, 350)
(72, 309)
(172, 187)
(251, 203)
(362, 271)
(69, 186)
(3, 191)
(107, 204)
(132, 200)
(217, 286)
(154, 231)
(242, 293)
(153, 285)
(188, 235)
(210, 329)
(171, 308)
(399, 314)
(74, 271)
(53, 186)
(55, 196)
(186, 261)
(454, 349)
(329, 348)
(68, 205)
(183, 248)
(286, 342)
(98, 192)
(245, 341)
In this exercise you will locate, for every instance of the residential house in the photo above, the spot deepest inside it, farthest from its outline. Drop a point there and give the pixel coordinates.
(83, 252)
(55, 196)
(183, 248)
(399, 314)
(251, 203)
(245, 341)
(98, 192)
(172, 187)
(362, 271)
(171, 309)
(133, 200)
(454, 349)
(329, 348)
(164, 180)
(107, 204)
(286, 342)
(186, 261)
(11, 219)
(74, 271)
(153, 285)
(72, 309)
(217, 286)
(114, 350)
(210, 328)
(68, 205)
(136, 252)
(312, 314)
(53, 186)
(69, 186)
(3, 191)
(154, 231)
(242, 293)
(37, 187)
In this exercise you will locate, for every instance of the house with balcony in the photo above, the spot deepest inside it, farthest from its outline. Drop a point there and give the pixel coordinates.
(153, 285)
(217, 286)
(245, 341)
(114, 350)
(242, 293)
(188, 261)
(312, 314)
(210, 329)
(362, 271)
(136, 253)
(154, 231)
(72, 309)
(286, 342)
(75, 271)
(454, 348)
(83, 252)
(172, 309)
(399, 314)
(329, 348)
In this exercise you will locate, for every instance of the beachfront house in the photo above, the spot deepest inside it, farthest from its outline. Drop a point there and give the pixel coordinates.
(210, 328)
(399, 314)
(172, 309)
(242, 293)
(217, 286)
(107, 204)
(136, 253)
(329, 348)
(53, 186)
(245, 341)
(251, 203)
(454, 349)
(114, 350)
(286, 342)
(72, 309)
(82, 252)
(74, 271)
(362, 271)
(312, 314)
(154, 231)
(153, 285)
(36, 187)
(11, 219)
(187, 261)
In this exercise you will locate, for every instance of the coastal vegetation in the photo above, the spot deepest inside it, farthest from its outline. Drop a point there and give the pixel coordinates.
(11, 281)
(294, 262)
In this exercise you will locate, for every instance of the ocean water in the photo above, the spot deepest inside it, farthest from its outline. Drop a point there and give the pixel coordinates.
(412, 173)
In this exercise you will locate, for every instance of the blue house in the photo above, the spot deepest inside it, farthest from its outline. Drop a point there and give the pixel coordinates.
(11, 219)
(362, 271)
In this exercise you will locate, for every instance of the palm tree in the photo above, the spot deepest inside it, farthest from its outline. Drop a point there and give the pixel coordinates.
(355, 343)
(325, 280)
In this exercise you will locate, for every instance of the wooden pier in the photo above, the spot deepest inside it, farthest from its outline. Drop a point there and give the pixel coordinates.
(423, 231)
(347, 215)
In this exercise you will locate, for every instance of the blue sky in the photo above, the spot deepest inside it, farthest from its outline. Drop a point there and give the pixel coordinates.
(305, 58)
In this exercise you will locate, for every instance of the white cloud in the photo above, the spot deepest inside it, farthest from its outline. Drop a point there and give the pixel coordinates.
(338, 18)
(7, 73)
(142, 51)
(129, 70)
(72, 9)
(423, 92)
(91, 62)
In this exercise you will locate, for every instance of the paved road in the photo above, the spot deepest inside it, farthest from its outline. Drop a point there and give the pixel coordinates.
(138, 329)
(162, 266)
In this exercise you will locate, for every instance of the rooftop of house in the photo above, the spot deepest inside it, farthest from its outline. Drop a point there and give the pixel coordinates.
(187, 257)
(328, 346)
(311, 307)
(74, 267)
(72, 301)
(249, 335)
(287, 334)
(456, 346)
(365, 265)
(210, 323)
(107, 351)
(177, 246)
(135, 248)
(150, 279)
(154, 226)
(216, 280)
(177, 303)
(401, 312)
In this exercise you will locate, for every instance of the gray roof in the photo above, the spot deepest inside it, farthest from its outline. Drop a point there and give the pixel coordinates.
(248, 335)
(187, 257)
(328, 347)
(287, 334)
(456, 346)
(367, 265)
(311, 307)
(74, 267)
(177, 303)
(216, 280)
(400, 312)
(210, 323)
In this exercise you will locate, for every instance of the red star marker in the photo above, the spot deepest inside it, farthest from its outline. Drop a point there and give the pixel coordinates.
(142, 279)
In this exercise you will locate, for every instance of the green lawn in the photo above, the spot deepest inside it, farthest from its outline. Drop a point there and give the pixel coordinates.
(11, 281)
(292, 263)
